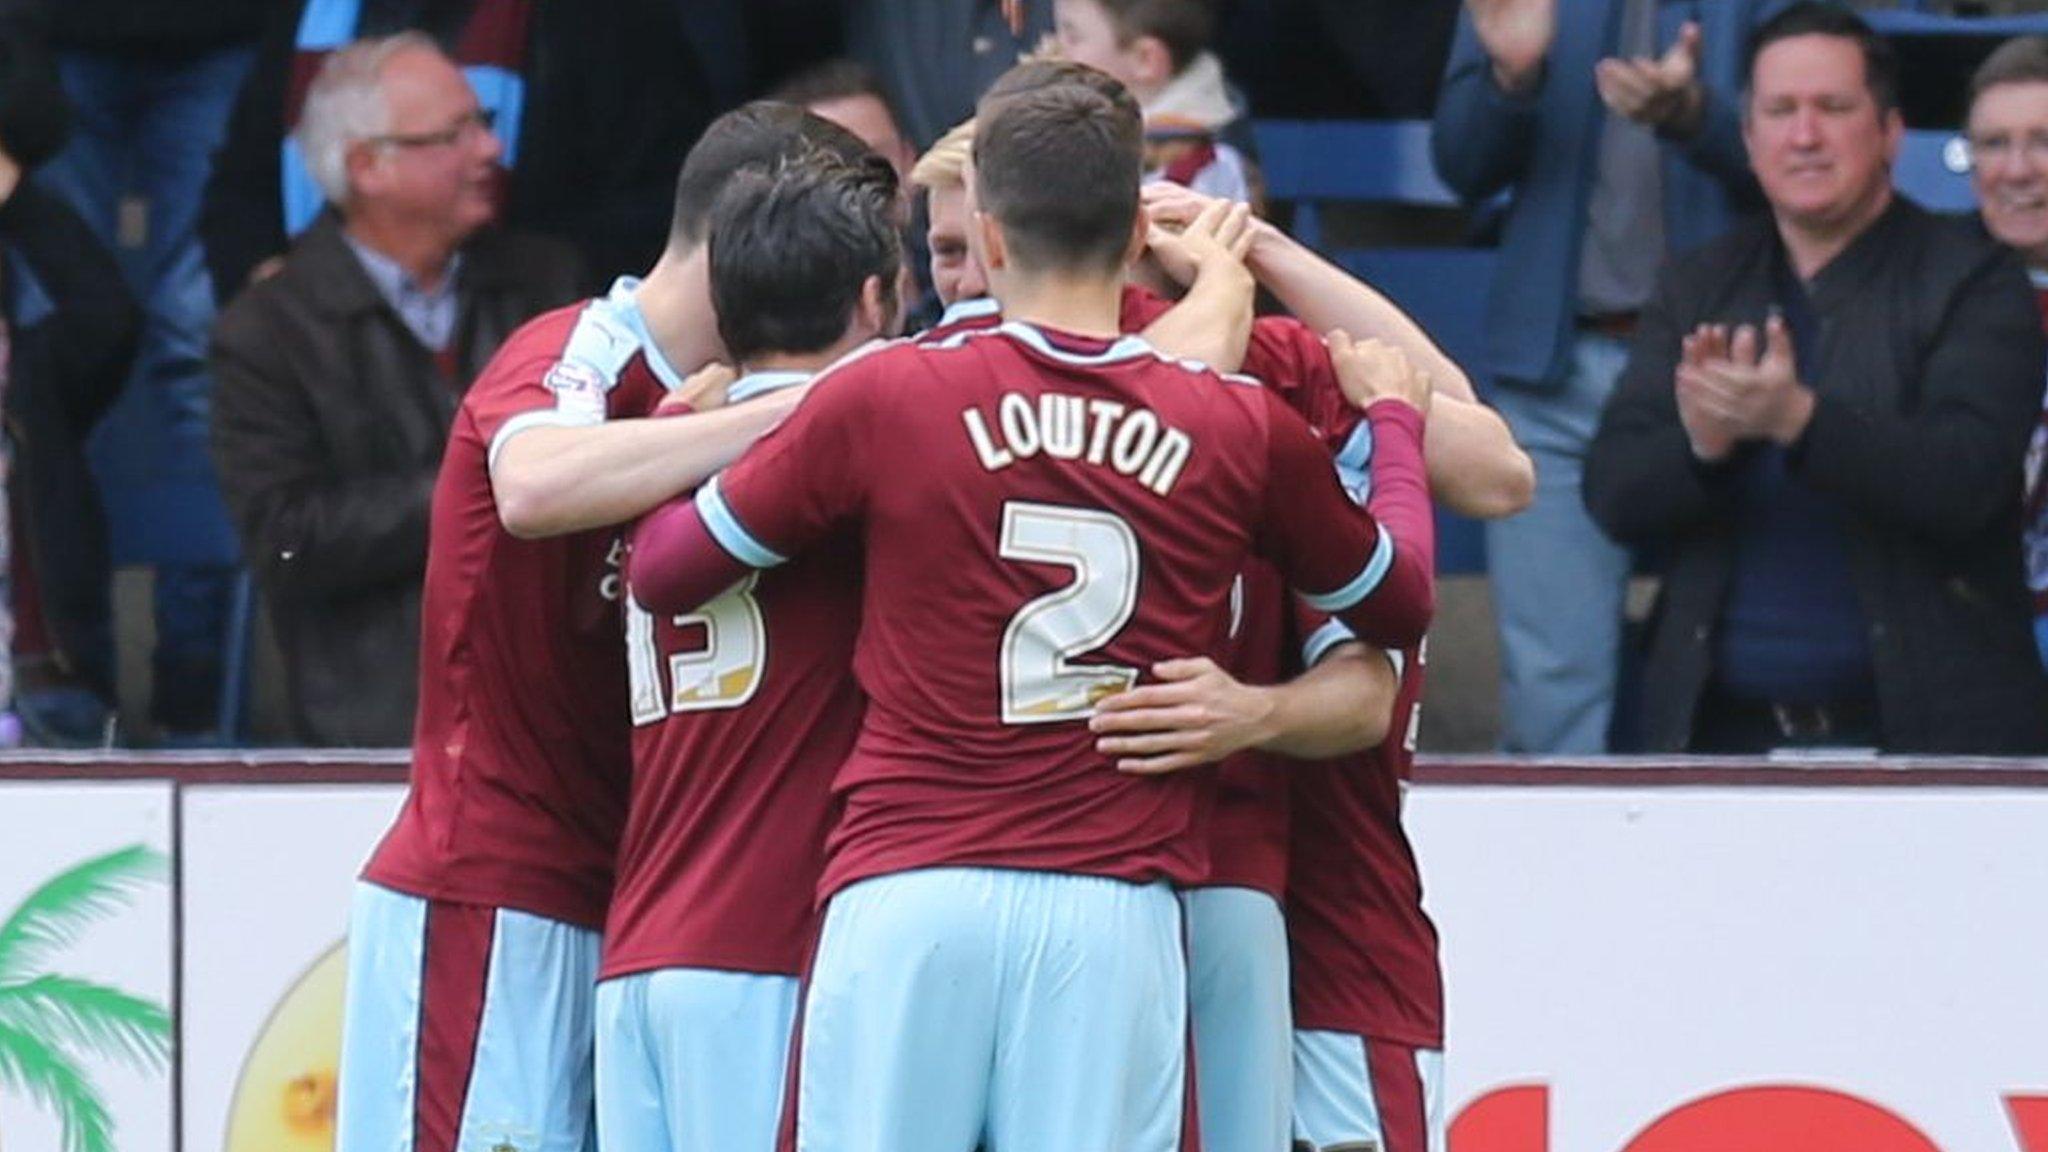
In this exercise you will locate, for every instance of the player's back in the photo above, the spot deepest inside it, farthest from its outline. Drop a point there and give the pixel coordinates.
(1364, 951)
(743, 711)
(520, 751)
(1054, 515)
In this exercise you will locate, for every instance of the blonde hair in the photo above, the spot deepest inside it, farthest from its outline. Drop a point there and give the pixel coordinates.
(944, 164)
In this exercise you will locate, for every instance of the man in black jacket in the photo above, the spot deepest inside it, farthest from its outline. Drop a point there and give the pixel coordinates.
(1822, 422)
(339, 376)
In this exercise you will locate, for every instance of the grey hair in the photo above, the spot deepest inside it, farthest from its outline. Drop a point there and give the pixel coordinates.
(346, 104)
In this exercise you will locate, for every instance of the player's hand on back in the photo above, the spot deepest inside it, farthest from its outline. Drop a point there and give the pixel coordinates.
(702, 391)
(1196, 714)
(1372, 370)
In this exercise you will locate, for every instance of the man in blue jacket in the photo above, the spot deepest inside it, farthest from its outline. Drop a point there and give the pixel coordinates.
(1613, 123)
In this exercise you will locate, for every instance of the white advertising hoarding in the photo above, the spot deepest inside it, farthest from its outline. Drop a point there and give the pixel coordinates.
(1753, 970)
(267, 874)
(85, 966)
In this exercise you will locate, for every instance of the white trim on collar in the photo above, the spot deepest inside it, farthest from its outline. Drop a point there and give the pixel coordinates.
(623, 301)
(1123, 348)
(761, 383)
(972, 308)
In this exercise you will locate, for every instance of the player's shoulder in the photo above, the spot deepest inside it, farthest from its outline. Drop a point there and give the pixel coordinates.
(862, 372)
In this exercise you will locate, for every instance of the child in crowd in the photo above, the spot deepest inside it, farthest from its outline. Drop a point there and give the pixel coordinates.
(1159, 49)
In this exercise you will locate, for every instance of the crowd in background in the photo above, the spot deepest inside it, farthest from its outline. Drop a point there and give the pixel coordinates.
(264, 265)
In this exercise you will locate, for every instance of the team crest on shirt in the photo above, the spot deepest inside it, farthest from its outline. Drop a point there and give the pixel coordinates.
(578, 388)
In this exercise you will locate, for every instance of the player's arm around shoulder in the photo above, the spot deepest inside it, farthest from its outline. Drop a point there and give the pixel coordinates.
(551, 479)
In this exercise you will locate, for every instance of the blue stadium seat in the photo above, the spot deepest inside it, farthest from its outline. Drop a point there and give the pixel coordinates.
(1912, 19)
(1934, 170)
(1306, 163)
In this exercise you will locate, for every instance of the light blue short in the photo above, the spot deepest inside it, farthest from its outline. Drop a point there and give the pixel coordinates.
(529, 1079)
(692, 1058)
(1244, 1022)
(950, 1008)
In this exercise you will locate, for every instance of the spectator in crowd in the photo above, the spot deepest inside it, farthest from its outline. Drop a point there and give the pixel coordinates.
(935, 59)
(2008, 133)
(1822, 423)
(152, 82)
(1597, 200)
(339, 376)
(1159, 49)
(68, 334)
(847, 93)
(593, 102)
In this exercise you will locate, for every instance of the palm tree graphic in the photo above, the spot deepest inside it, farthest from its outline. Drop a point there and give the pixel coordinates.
(50, 1022)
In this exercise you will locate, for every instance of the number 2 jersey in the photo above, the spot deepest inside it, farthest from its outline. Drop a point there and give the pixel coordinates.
(1044, 516)
(520, 756)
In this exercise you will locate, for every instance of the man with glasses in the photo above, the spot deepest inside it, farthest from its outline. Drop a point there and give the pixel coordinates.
(2008, 132)
(339, 377)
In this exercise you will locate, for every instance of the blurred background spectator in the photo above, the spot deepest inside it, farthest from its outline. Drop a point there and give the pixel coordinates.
(1196, 130)
(1599, 194)
(595, 105)
(848, 94)
(339, 376)
(68, 333)
(151, 82)
(935, 57)
(2008, 134)
(1822, 421)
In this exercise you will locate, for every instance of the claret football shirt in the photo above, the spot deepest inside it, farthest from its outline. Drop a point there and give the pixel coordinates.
(1044, 516)
(520, 752)
(743, 710)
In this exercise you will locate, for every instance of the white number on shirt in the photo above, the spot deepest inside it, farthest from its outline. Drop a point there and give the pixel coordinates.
(1040, 684)
(724, 673)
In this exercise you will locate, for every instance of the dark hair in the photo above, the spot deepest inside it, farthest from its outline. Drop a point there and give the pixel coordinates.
(835, 79)
(1032, 75)
(1815, 18)
(2020, 60)
(35, 115)
(1058, 168)
(764, 134)
(790, 252)
(1184, 26)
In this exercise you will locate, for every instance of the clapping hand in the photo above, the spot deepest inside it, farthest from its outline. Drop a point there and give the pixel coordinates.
(1663, 93)
(1730, 389)
(1516, 35)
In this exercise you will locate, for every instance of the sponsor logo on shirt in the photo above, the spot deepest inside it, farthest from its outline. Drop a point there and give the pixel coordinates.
(579, 388)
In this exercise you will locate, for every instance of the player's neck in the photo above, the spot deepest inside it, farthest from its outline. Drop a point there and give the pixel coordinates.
(675, 302)
(1087, 305)
(808, 363)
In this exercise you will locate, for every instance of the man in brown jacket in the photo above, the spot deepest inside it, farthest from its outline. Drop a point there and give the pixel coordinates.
(338, 377)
